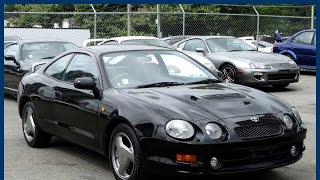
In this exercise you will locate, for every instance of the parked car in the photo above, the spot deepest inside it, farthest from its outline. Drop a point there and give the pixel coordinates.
(153, 41)
(173, 39)
(263, 46)
(146, 119)
(241, 63)
(26, 56)
(301, 48)
(92, 42)
(10, 39)
(137, 40)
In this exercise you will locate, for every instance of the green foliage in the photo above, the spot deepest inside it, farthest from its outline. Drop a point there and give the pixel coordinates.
(110, 25)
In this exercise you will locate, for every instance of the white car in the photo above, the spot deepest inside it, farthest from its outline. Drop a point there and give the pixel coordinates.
(263, 46)
(136, 40)
(92, 42)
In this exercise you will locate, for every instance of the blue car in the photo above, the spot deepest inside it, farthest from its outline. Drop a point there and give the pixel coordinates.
(301, 47)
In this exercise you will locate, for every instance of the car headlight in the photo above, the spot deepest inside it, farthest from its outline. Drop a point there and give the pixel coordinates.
(296, 114)
(257, 65)
(179, 129)
(288, 121)
(293, 64)
(214, 131)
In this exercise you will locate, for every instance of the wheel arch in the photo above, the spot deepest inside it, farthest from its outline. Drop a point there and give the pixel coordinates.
(290, 53)
(109, 129)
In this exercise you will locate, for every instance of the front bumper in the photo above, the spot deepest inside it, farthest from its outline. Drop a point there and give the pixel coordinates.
(268, 76)
(235, 157)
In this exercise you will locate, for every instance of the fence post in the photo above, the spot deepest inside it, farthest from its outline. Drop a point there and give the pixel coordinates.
(183, 21)
(158, 21)
(312, 17)
(258, 26)
(129, 10)
(95, 23)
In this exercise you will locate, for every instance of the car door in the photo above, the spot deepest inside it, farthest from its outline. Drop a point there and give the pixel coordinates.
(12, 70)
(76, 109)
(45, 103)
(303, 48)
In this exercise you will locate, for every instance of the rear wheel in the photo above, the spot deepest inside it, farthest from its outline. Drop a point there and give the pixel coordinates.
(33, 135)
(229, 74)
(125, 154)
(280, 86)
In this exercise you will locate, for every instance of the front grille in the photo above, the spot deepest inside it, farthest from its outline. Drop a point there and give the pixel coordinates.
(280, 65)
(259, 131)
(281, 76)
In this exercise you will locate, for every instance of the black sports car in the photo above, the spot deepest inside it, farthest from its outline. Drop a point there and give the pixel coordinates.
(23, 56)
(124, 102)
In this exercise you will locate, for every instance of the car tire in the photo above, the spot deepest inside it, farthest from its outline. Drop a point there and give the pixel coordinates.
(33, 135)
(229, 74)
(125, 154)
(280, 86)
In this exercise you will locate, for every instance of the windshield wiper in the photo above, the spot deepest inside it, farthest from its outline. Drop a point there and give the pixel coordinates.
(159, 84)
(234, 50)
(49, 57)
(205, 81)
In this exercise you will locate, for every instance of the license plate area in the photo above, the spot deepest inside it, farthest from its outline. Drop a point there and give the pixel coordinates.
(284, 71)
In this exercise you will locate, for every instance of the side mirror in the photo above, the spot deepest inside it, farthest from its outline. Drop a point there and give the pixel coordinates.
(11, 58)
(84, 83)
(200, 50)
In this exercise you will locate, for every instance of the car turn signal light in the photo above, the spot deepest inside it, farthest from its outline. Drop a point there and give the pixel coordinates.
(186, 158)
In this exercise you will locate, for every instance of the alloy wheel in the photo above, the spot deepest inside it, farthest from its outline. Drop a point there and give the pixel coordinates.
(122, 155)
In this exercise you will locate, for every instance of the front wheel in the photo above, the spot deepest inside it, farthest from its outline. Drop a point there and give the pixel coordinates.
(125, 154)
(229, 74)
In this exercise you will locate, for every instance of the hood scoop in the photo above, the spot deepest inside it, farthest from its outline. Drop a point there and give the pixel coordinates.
(224, 96)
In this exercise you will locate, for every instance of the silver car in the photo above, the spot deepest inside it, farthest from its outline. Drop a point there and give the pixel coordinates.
(241, 63)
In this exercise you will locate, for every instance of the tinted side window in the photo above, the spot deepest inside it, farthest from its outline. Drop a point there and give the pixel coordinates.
(303, 38)
(195, 43)
(12, 50)
(57, 68)
(81, 66)
(110, 42)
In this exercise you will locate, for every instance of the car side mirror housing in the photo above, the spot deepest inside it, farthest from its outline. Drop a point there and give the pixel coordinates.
(200, 50)
(84, 83)
(11, 58)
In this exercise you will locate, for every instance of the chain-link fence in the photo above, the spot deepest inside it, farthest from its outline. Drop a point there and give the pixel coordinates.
(112, 24)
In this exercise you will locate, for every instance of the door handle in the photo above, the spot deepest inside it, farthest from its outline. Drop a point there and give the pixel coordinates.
(57, 94)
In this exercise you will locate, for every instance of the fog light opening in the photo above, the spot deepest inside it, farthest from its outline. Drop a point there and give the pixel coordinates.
(215, 163)
(258, 75)
(294, 151)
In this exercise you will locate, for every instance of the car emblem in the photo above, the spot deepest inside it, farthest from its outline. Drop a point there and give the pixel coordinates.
(255, 119)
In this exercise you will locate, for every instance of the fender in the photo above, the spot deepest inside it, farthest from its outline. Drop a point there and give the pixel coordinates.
(291, 53)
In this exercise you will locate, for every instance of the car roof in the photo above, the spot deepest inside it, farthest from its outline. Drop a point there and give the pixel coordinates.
(124, 38)
(24, 41)
(121, 47)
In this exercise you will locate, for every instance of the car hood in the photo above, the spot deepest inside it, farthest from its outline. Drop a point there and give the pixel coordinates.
(213, 102)
(250, 56)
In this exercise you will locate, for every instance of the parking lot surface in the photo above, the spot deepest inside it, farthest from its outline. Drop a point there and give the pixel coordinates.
(63, 160)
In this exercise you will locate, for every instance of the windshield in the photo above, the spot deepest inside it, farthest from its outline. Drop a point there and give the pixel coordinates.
(44, 50)
(150, 42)
(228, 44)
(140, 68)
